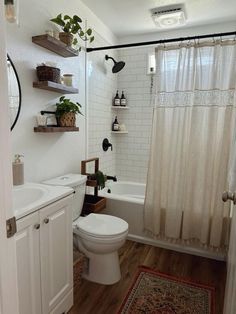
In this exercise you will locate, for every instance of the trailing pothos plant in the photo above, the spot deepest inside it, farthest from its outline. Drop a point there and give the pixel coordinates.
(72, 25)
(65, 105)
(100, 178)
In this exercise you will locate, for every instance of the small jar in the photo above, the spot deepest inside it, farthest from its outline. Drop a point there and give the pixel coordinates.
(41, 120)
(68, 79)
(56, 35)
(49, 32)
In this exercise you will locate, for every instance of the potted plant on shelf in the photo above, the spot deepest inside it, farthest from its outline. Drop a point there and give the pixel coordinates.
(72, 26)
(66, 111)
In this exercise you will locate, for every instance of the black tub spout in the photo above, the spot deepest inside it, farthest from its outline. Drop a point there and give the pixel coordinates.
(112, 178)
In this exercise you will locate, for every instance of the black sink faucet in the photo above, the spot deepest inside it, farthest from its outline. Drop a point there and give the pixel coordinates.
(112, 178)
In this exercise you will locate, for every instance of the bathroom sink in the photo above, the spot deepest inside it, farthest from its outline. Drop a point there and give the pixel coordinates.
(30, 197)
(24, 195)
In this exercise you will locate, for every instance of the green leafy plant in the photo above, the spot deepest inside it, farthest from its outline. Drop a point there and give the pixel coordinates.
(100, 178)
(66, 105)
(72, 25)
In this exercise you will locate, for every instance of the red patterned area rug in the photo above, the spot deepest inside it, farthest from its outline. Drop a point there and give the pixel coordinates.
(156, 293)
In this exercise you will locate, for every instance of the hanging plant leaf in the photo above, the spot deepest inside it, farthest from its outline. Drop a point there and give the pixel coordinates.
(77, 19)
(89, 32)
(67, 17)
(81, 33)
(75, 41)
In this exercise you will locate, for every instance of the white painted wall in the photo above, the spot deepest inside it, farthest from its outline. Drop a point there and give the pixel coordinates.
(8, 276)
(47, 155)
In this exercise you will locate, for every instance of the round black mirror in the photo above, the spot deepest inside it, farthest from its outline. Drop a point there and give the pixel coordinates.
(14, 92)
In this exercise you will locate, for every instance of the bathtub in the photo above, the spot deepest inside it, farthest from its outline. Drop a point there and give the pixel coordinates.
(126, 200)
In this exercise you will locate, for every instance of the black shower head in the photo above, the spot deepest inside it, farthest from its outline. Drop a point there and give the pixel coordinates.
(118, 66)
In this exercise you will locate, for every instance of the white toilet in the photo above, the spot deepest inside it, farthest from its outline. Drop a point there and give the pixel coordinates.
(98, 236)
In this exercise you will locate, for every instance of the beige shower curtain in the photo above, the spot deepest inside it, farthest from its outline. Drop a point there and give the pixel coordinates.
(193, 124)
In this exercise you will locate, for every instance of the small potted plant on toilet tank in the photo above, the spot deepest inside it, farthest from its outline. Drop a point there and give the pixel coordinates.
(66, 111)
(71, 26)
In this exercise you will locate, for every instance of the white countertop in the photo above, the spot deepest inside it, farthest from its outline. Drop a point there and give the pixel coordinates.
(30, 197)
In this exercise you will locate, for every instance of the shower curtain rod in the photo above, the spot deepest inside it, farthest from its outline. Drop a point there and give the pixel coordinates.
(162, 41)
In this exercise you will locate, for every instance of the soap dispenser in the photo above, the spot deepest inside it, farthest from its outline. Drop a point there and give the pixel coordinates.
(18, 170)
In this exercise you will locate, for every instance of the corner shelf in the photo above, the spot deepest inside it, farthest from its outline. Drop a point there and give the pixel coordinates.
(55, 45)
(54, 129)
(55, 87)
(119, 107)
(119, 132)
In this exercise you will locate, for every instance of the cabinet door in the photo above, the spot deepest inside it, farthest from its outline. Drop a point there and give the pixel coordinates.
(28, 264)
(56, 252)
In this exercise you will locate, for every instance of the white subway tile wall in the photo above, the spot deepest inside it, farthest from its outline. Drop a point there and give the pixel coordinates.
(132, 149)
(129, 158)
(102, 85)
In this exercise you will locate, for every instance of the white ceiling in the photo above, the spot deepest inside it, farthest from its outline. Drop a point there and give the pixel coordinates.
(132, 17)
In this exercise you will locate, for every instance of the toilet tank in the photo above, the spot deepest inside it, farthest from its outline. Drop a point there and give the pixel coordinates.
(78, 183)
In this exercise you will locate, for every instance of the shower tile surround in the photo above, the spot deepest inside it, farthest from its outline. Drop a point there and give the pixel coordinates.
(101, 86)
(129, 158)
(132, 150)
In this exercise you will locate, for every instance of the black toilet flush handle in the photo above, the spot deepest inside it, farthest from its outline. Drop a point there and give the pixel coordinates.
(106, 144)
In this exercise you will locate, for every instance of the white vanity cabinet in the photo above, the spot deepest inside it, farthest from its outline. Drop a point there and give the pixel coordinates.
(44, 252)
(28, 264)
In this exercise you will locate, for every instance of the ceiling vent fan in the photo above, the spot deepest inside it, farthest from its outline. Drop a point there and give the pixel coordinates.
(169, 16)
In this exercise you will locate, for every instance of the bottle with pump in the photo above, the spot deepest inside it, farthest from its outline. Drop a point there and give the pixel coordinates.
(117, 99)
(18, 170)
(115, 125)
(123, 100)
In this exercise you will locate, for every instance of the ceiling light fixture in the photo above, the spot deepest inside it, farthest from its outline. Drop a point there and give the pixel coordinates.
(169, 16)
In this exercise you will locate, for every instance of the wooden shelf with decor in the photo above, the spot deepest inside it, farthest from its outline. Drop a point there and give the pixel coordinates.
(55, 87)
(119, 132)
(55, 129)
(55, 45)
(92, 203)
(120, 107)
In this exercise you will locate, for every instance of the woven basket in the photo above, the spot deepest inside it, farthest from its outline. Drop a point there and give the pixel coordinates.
(80, 265)
(66, 38)
(46, 73)
(67, 119)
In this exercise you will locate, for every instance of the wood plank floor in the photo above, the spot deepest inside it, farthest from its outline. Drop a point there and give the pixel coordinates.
(92, 298)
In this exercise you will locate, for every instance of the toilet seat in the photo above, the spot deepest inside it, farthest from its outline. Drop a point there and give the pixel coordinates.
(101, 226)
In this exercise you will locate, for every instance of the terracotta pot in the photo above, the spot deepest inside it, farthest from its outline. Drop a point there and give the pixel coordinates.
(66, 38)
(67, 119)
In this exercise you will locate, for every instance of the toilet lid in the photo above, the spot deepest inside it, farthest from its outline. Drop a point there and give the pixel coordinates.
(102, 225)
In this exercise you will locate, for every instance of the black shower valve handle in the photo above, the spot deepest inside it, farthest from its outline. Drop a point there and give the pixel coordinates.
(106, 144)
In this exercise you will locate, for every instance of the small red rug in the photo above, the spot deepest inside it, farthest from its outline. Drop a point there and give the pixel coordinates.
(156, 293)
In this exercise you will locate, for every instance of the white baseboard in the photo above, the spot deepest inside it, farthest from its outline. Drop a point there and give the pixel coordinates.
(219, 256)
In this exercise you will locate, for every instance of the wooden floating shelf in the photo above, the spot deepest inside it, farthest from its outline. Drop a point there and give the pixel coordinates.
(55, 45)
(119, 132)
(119, 107)
(55, 87)
(54, 129)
